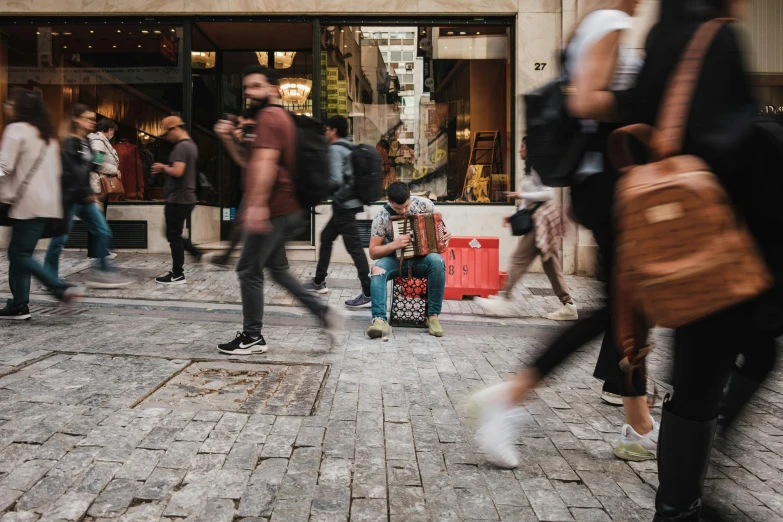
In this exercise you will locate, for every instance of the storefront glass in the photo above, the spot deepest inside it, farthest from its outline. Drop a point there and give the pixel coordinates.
(434, 101)
(130, 73)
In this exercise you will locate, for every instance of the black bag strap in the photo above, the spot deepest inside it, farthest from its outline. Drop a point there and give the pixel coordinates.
(30, 174)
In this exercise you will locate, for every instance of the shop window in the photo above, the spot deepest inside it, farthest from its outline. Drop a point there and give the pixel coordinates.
(130, 73)
(432, 112)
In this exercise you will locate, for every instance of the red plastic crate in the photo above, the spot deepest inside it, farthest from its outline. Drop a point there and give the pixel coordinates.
(473, 267)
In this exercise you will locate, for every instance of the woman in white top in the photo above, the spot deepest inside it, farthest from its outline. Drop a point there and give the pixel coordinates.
(542, 240)
(595, 61)
(30, 181)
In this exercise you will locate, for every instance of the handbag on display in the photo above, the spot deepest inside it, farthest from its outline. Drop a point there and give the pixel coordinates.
(112, 187)
(5, 208)
(521, 221)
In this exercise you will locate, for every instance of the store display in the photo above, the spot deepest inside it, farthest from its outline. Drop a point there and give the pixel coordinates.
(131, 167)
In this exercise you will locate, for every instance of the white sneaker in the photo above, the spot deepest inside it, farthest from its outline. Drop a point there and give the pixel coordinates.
(612, 398)
(635, 447)
(566, 313)
(112, 255)
(496, 425)
(498, 306)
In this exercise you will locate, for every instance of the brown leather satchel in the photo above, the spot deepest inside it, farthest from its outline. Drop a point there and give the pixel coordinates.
(682, 254)
(112, 187)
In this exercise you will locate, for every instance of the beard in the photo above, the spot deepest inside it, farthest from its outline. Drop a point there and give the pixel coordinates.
(256, 104)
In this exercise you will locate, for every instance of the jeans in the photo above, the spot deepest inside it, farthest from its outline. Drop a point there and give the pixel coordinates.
(268, 251)
(176, 215)
(97, 227)
(92, 241)
(25, 234)
(343, 223)
(430, 266)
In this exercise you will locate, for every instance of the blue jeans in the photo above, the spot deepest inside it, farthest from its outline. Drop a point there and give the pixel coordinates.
(96, 225)
(430, 266)
(25, 234)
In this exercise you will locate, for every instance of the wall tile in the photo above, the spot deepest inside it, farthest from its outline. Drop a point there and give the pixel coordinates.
(468, 6)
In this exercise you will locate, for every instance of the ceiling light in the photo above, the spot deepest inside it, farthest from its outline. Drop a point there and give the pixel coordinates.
(202, 60)
(295, 90)
(119, 31)
(67, 34)
(139, 46)
(38, 32)
(114, 46)
(282, 60)
(157, 32)
(462, 32)
(478, 32)
(55, 34)
(92, 32)
(89, 47)
(173, 30)
(145, 31)
(451, 32)
(65, 46)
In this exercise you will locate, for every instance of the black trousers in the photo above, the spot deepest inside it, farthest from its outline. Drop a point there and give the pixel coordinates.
(176, 216)
(343, 223)
(592, 201)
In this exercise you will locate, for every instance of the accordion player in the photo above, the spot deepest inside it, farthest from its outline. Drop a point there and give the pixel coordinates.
(427, 233)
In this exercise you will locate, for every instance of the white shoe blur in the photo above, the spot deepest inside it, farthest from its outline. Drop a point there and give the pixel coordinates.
(635, 447)
(496, 425)
(112, 255)
(568, 312)
(499, 306)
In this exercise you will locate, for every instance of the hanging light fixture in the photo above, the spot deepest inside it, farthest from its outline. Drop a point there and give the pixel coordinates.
(282, 60)
(202, 60)
(295, 91)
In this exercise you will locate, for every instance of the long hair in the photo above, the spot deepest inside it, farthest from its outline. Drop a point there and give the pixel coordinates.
(30, 108)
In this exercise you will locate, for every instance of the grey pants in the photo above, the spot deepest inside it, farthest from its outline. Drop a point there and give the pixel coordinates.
(268, 251)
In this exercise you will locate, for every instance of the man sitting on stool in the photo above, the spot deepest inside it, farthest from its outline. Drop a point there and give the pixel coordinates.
(383, 249)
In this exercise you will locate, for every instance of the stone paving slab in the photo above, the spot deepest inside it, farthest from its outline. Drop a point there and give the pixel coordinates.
(218, 285)
(389, 438)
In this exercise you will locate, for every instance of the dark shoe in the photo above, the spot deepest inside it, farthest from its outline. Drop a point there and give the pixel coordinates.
(741, 390)
(318, 288)
(20, 313)
(244, 345)
(171, 279)
(684, 448)
(362, 301)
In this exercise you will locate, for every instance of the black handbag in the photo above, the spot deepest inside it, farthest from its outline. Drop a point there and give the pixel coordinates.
(5, 208)
(522, 221)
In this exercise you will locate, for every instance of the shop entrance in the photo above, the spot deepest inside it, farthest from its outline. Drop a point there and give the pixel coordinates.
(220, 53)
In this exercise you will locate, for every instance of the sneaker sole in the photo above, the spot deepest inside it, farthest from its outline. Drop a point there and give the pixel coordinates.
(436, 334)
(576, 318)
(173, 283)
(614, 401)
(108, 286)
(321, 291)
(16, 317)
(357, 307)
(638, 454)
(249, 351)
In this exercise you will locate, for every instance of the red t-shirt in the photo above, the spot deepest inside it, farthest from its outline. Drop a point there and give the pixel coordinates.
(275, 129)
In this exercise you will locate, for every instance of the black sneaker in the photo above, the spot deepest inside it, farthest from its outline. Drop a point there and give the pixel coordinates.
(171, 279)
(362, 301)
(21, 313)
(312, 286)
(244, 345)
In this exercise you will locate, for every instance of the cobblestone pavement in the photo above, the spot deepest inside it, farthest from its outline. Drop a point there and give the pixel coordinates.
(211, 284)
(128, 413)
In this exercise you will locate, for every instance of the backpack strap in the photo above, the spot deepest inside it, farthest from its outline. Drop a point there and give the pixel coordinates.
(344, 144)
(676, 104)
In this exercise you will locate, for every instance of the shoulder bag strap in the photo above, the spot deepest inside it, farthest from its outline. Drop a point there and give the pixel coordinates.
(30, 174)
(676, 103)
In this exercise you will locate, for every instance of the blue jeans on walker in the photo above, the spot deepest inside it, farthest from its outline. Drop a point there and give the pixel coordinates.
(96, 225)
(430, 266)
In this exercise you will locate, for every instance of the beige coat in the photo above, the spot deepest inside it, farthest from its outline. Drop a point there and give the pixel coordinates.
(19, 150)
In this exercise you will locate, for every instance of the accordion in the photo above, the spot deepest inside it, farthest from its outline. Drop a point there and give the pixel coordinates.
(427, 233)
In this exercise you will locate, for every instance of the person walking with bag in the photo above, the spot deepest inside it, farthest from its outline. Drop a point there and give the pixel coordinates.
(78, 159)
(544, 240)
(106, 166)
(594, 59)
(30, 195)
(715, 122)
(345, 206)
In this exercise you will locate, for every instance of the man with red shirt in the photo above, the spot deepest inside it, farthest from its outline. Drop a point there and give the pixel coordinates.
(270, 213)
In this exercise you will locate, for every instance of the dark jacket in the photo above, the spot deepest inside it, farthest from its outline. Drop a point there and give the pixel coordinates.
(77, 159)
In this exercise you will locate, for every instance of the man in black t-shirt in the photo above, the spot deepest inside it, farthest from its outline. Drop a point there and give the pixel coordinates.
(180, 192)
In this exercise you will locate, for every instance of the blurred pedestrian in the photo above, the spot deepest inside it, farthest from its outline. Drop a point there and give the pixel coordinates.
(180, 191)
(107, 166)
(78, 160)
(543, 240)
(30, 183)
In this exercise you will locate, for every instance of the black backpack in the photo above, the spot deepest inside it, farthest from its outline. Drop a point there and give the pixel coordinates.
(555, 141)
(367, 171)
(312, 164)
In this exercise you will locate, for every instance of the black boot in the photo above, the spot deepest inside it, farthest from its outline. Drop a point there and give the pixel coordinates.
(741, 390)
(684, 448)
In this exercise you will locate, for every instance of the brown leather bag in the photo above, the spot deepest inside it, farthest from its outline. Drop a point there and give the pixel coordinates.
(681, 252)
(112, 187)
